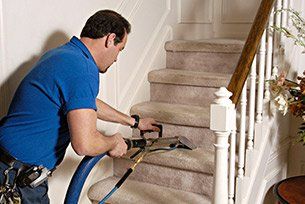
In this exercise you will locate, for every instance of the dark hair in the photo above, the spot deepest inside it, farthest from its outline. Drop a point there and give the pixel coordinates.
(104, 22)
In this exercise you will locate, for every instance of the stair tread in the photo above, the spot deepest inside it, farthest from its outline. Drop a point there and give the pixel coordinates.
(187, 77)
(197, 160)
(139, 192)
(174, 113)
(206, 45)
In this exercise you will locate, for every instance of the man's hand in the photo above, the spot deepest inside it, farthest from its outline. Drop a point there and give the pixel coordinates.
(120, 147)
(148, 124)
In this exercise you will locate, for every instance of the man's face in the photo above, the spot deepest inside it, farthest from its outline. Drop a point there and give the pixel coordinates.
(112, 53)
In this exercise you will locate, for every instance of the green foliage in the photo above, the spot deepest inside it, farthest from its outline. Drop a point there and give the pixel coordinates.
(301, 133)
(297, 31)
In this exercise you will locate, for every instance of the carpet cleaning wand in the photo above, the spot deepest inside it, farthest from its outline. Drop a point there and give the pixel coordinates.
(146, 147)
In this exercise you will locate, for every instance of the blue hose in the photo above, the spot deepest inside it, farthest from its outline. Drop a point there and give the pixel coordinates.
(79, 178)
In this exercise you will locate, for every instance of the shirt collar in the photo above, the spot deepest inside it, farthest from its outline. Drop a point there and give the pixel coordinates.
(74, 40)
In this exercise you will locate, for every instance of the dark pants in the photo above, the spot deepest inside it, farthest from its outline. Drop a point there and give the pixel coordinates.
(38, 195)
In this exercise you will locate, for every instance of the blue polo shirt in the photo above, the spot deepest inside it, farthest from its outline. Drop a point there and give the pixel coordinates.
(35, 129)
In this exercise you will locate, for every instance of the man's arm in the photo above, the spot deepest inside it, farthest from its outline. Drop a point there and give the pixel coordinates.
(85, 138)
(107, 113)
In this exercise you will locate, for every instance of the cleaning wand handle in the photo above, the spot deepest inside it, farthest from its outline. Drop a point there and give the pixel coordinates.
(142, 132)
(135, 143)
(141, 143)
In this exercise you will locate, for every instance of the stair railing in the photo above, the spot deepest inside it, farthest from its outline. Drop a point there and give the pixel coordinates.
(256, 66)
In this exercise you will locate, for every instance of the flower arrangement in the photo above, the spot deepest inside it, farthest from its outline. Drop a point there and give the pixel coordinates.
(289, 95)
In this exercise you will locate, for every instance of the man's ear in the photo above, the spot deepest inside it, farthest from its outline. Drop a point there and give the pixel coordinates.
(110, 39)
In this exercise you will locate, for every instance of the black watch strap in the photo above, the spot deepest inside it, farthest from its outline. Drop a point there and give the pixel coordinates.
(137, 120)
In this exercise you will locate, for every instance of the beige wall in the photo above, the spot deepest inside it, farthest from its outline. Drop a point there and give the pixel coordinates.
(214, 18)
(31, 27)
(28, 28)
(295, 59)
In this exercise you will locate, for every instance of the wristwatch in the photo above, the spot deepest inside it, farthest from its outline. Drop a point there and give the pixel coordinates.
(137, 120)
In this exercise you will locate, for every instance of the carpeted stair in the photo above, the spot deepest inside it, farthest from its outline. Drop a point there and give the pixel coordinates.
(180, 98)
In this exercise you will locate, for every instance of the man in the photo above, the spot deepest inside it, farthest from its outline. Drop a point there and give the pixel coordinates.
(56, 104)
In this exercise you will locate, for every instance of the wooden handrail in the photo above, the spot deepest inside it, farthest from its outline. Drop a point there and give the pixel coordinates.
(249, 50)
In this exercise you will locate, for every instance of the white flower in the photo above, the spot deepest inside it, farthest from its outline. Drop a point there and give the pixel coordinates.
(281, 104)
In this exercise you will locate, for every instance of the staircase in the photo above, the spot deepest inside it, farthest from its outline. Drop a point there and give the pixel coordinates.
(180, 98)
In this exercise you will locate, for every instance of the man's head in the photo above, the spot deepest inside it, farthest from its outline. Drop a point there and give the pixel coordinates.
(106, 34)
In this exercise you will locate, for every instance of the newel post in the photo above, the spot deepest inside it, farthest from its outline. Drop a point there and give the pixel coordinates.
(221, 122)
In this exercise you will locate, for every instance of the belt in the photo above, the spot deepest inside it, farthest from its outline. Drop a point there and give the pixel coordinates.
(27, 175)
(9, 160)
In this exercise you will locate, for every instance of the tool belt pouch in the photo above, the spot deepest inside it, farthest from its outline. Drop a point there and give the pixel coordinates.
(33, 177)
(10, 198)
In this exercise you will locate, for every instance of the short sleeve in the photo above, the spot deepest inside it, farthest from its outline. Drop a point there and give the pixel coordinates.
(80, 92)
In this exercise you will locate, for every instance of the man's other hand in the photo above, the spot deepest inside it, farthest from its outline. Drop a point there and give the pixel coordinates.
(120, 147)
(148, 124)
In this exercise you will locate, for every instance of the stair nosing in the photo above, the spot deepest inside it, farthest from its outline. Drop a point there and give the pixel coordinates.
(175, 77)
(205, 46)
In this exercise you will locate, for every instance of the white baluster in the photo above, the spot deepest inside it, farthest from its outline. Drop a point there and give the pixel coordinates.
(269, 55)
(242, 137)
(232, 162)
(275, 72)
(252, 105)
(261, 78)
(222, 127)
(278, 18)
(276, 36)
(289, 5)
(284, 14)
(273, 109)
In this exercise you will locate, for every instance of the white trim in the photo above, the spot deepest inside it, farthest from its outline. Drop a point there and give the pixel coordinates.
(261, 191)
(283, 146)
(116, 82)
(2, 47)
(134, 9)
(133, 82)
(160, 45)
(227, 20)
(122, 6)
(3, 71)
(165, 35)
(179, 12)
(205, 21)
(131, 8)
(267, 133)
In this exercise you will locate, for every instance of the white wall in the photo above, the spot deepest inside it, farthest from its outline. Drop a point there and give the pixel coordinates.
(296, 60)
(215, 18)
(31, 27)
(28, 28)
(291, 153)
